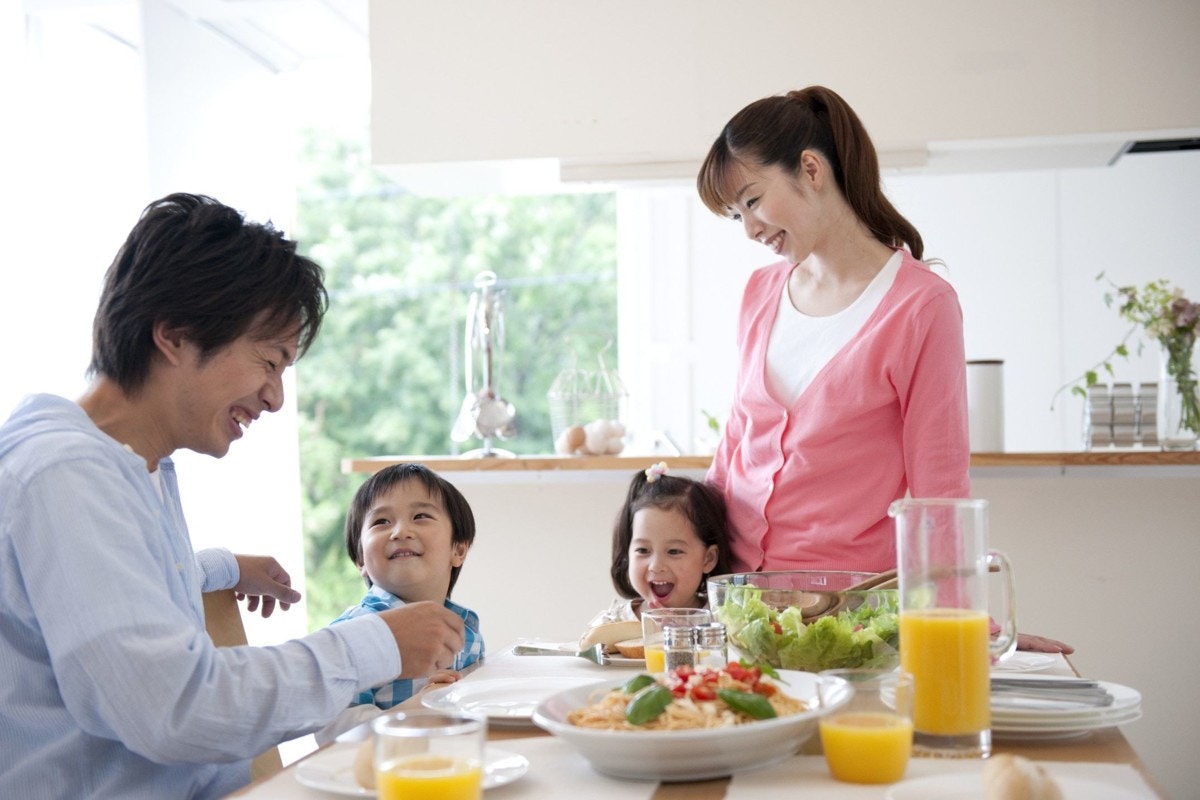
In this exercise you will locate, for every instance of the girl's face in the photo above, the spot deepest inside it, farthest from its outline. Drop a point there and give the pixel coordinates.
(777, 208)
(667, 560)
(407, 544)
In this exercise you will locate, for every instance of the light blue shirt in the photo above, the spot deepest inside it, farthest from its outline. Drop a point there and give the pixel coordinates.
(109, 685)
(397, 691)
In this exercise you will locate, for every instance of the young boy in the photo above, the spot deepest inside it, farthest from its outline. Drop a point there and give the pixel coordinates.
(408, 531)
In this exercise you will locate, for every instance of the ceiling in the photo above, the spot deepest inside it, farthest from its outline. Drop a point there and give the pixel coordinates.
(280, 34)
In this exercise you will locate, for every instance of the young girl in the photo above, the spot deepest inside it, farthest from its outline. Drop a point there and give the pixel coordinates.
(669, 537)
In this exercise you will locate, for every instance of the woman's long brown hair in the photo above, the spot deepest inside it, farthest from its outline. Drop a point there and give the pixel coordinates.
(774, 131)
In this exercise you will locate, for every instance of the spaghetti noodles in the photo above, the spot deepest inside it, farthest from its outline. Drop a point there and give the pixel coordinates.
(687, 712)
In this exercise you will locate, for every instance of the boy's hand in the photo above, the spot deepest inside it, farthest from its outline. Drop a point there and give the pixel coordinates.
(429, 636)
(438, 680)
(262, 578)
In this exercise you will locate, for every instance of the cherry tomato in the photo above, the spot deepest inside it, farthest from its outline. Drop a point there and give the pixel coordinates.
(703, 692)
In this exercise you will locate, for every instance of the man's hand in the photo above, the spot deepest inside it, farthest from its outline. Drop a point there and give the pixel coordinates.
(262, 579)
(429, 636)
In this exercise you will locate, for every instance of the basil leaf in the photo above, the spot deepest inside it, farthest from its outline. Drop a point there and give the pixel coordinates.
(752, 705)
(648, 704)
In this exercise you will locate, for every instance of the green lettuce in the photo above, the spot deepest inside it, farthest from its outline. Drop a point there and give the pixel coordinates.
(866, 636)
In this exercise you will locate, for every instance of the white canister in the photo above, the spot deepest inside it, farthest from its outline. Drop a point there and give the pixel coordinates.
(985, 405)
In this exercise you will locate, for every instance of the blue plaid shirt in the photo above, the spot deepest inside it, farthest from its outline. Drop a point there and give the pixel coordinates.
(398, 691)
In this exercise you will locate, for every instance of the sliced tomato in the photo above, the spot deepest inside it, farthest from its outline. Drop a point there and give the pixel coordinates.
(703, 692)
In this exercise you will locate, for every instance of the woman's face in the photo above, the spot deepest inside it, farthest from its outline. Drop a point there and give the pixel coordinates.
(667, 560)
(778, 208)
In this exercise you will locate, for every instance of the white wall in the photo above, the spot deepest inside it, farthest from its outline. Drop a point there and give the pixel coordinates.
(1022, 250)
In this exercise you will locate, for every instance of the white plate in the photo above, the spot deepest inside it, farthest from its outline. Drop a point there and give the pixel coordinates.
(332, 770)
(970, 787)
(1125, 699)
(1060, 731)
(688, 754)
(1022, 661)
(506, 702)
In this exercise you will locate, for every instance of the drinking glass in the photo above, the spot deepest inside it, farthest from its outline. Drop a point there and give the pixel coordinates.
(653, 622)
(944, 567)
(429, 755)
(869, 739)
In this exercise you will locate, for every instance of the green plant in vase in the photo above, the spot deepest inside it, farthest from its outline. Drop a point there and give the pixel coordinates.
(1165, 315)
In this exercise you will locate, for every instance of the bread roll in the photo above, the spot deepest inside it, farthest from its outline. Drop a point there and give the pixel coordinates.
(1009, 777)
(609, 633)
(631, 648)
(364, 763)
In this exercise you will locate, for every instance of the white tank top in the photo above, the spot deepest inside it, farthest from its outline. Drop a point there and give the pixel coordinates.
(800, 346)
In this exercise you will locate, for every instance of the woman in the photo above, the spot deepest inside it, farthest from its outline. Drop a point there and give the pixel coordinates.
(851, 389)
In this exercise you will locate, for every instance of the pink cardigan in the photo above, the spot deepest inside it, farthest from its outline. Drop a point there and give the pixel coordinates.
(808, 487)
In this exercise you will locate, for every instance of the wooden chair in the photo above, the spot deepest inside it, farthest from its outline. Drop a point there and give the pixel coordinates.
(223, 619)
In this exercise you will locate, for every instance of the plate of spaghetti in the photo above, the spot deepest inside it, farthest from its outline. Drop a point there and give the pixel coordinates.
(689, 725)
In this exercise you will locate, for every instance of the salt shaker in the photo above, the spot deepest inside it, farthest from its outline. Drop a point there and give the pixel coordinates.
(712, 650)
(679, 647)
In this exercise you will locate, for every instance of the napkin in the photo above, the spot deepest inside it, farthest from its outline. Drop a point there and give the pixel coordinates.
(556, 771)
(810, 772)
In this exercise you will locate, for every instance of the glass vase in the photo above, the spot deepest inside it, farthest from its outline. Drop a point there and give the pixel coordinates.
(1178, 400)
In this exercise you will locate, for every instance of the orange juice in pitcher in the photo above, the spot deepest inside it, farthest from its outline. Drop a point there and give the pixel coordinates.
(943, 566)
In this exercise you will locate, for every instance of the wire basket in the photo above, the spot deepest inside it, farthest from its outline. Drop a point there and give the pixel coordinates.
(578, 397)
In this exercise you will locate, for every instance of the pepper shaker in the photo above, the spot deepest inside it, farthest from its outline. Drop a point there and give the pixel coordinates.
(679, 647)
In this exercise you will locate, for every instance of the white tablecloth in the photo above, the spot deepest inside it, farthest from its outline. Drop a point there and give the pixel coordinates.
(557, 771)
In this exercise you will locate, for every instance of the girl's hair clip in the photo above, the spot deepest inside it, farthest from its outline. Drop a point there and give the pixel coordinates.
(656, 471)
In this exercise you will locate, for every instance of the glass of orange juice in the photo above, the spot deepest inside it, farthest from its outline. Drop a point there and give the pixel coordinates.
(945, 621)
(424, 754)
(653, 622)
(869, 739)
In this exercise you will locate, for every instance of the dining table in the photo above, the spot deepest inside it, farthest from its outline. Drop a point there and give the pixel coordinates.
(1099, 757)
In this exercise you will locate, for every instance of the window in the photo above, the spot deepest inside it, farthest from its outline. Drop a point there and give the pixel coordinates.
(385, 377)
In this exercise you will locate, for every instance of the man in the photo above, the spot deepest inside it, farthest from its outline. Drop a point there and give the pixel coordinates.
(109, 685)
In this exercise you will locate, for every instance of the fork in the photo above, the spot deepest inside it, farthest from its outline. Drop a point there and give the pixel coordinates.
(595, 653)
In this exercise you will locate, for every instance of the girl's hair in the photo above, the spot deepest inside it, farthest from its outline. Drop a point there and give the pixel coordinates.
(700, 502)
(774, 131)
(462, 520)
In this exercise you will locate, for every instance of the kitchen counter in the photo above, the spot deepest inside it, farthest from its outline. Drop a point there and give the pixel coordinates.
(629, 463)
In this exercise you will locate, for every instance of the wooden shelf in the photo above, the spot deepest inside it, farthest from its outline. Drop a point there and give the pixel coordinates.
(444, 463)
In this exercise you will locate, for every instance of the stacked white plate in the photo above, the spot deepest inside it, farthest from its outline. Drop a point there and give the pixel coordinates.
(1033, 716)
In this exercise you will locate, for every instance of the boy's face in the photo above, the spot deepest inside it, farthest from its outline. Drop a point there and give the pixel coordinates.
(406, 543)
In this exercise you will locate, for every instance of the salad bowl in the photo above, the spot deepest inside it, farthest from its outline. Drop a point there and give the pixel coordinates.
(808, 620)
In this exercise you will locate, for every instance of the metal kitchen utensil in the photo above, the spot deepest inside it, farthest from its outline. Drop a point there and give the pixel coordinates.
(828, 603)
(484, 413)
(595, 653)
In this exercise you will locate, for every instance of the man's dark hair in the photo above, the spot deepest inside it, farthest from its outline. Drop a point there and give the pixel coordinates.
(200, 267)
